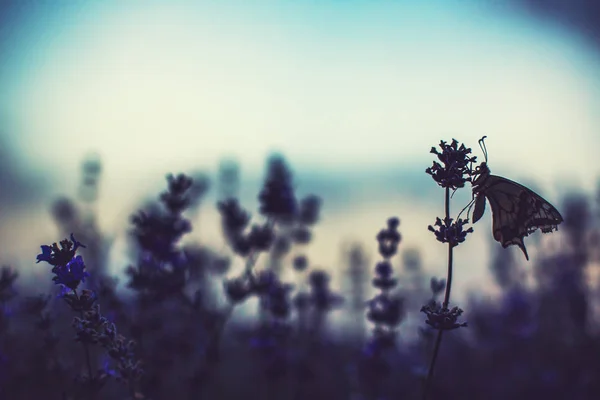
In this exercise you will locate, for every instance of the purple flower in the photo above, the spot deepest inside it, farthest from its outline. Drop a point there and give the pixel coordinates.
(71, 274)
(59, 256)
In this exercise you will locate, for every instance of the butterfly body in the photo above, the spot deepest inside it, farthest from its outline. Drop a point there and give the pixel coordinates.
(516, 210)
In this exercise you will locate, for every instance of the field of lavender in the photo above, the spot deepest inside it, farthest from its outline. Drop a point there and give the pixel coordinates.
(174, 335)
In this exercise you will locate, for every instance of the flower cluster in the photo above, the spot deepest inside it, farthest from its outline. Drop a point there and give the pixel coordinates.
(450, 231)
(91, 327)
(235, 220)
(442, 318)
(455, 171)
(69, 270)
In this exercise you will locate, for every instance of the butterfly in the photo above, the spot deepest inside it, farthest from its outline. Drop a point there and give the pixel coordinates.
(516, 210)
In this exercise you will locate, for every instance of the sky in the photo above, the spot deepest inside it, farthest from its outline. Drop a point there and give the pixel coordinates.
(353, 93)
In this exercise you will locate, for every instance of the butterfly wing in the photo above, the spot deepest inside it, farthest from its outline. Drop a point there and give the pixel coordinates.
(516, 211)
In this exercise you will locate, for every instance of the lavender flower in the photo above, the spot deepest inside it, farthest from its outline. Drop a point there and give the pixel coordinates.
(59, 256)
(90, 327)
(442, 318)
(277, 198)
(68, 268)
(450, 231)
(454, 172)
(72, 274)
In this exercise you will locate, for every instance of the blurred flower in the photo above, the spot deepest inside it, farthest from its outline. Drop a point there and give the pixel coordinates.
(281, 246)
(437, 285)
(389, 238)
(277, 301)
(261, 237)
(277, 198)
(237, 290)
(8, 276)
(234, 218)
(263, 281)
(386, 310)
(383, 279)
(321, 295)
(442, 318)
(382, 340)
(310, 207)
(301, 235)
(302, 301)
(300, 263)
(176, 198)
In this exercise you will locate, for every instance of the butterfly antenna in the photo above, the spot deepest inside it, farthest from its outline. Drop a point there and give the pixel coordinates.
(483, 148)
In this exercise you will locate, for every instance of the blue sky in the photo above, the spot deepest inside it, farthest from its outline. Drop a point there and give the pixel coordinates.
(342, 88)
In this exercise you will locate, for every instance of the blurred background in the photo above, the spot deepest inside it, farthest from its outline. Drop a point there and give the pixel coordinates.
(100, 100)
(353, 93)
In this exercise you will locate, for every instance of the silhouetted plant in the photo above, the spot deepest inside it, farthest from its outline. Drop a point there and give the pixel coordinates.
(540, 330)
(452, 175)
